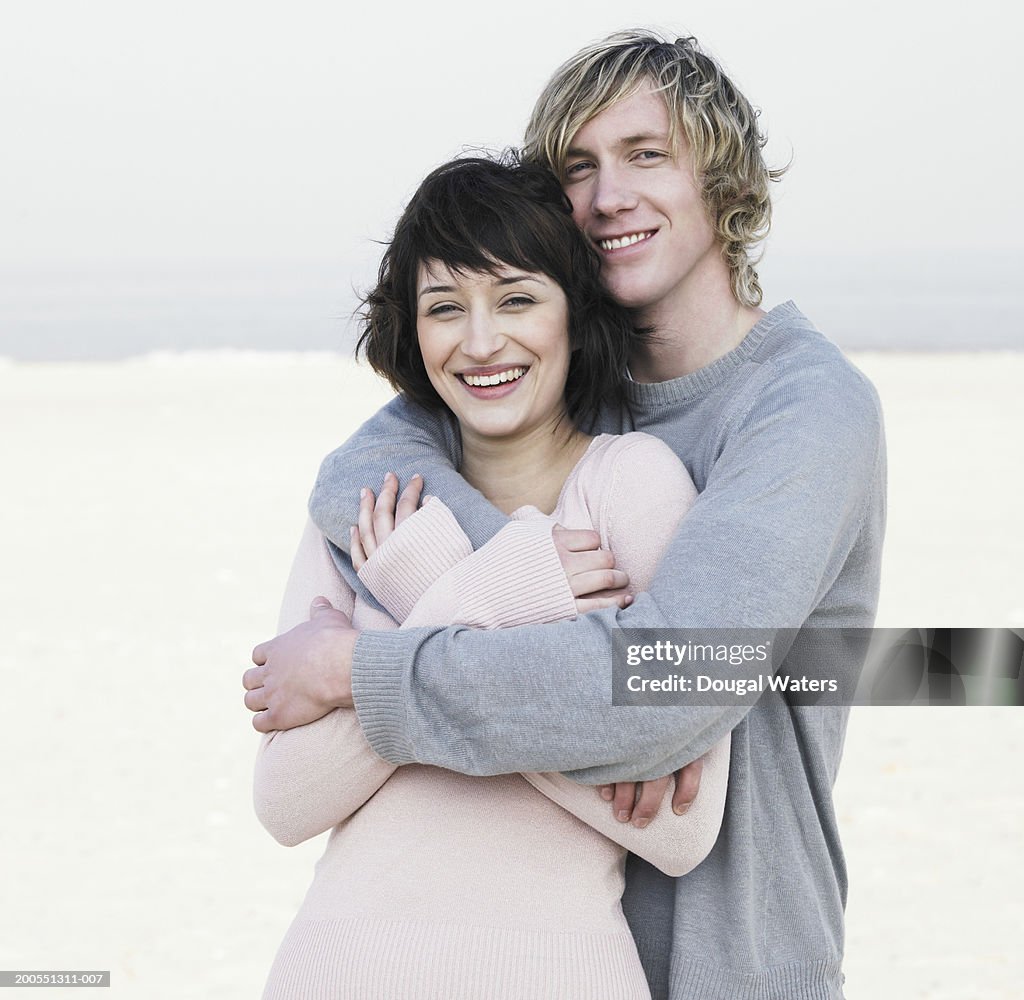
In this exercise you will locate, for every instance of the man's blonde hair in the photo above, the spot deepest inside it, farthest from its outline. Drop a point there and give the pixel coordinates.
(718, 123)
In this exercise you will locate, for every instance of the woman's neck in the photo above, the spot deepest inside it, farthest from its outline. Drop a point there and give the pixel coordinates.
(514, 472)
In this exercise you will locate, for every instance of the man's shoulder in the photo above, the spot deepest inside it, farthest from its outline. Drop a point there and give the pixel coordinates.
(800, 364)
(399, 419)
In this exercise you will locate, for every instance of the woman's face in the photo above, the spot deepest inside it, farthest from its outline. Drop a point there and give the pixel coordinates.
(495, 347)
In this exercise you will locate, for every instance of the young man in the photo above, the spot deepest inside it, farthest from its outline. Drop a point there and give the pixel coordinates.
(660, 157)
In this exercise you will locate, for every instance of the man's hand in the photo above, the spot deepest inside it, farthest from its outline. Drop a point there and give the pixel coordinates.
(590, 570)
(303, 674)
(639, 800)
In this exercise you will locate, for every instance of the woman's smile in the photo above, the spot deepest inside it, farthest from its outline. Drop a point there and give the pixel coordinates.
(480, 382)
(495, 347)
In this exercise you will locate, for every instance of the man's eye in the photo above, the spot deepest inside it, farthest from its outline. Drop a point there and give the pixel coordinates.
(575, 169)
(650, 155)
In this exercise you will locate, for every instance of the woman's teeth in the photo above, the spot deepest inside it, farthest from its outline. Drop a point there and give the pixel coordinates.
(496, 379)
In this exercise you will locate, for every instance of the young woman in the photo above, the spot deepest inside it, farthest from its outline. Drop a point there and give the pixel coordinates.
(433, 883)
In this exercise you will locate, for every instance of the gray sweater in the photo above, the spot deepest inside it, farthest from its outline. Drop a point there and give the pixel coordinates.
(783, 439)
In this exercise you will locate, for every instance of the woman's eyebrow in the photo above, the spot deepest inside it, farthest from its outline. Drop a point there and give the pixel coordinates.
(514, 279)
(434, 288)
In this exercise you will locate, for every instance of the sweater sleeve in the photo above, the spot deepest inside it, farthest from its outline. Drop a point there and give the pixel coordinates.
(798, 475)
(427, 562)
(420, 550)
(673, 844)
(310, 778)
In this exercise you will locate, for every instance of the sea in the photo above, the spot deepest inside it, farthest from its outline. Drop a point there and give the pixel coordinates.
(906, 302)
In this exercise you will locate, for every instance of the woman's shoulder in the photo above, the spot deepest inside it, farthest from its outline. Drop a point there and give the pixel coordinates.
(611, 454)
(621, 473)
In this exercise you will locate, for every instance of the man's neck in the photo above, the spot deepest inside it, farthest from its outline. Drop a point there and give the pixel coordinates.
(699, 326)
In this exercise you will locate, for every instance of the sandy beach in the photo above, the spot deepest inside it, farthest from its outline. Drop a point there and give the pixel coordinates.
(151, 508)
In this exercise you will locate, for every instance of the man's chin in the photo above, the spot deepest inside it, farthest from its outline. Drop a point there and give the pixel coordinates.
(629, 294)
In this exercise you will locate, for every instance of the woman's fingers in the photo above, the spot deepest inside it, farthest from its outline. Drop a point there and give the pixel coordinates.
(367, 536)
(409, 501)
(594, 582)
(620, 600)
(384, 509)
(356, 550)
(379, 516)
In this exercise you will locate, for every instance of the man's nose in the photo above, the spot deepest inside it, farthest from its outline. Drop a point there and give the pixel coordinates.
(612, 192)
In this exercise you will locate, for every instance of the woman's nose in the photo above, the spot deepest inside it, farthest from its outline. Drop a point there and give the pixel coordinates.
(483, 337)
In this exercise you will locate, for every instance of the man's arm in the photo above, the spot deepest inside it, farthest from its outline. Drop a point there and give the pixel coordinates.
(407, 546)
(795, 480)
(777, 521)
(407, 440)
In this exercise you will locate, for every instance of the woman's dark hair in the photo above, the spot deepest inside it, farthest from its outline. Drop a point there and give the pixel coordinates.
(477, 214)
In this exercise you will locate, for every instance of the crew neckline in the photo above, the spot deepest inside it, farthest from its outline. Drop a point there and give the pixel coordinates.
(703, 380)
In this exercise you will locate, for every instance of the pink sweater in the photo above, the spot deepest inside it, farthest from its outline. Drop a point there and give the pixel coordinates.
(437, 884)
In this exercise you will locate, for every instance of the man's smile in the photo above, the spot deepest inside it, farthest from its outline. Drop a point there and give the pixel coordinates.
(626, 240)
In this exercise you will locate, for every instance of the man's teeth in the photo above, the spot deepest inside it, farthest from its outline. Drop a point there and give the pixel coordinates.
(624, 241)
(496, 379)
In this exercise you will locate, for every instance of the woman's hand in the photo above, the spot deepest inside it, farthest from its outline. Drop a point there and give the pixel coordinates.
(380, 516)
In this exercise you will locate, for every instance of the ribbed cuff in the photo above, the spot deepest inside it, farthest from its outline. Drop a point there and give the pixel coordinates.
(423, 548)
(381, 662)
(795, 981)
(531, 589)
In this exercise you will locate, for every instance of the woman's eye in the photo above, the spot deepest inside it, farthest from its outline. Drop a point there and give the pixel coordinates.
(442, 309)
(518, 301)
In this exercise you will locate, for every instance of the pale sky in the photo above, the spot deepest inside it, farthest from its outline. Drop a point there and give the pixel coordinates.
(139, 136)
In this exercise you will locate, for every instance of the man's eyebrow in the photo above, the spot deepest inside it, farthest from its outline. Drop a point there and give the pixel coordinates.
(626, 141)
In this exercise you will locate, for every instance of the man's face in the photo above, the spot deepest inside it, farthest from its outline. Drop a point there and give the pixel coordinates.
(641, 206)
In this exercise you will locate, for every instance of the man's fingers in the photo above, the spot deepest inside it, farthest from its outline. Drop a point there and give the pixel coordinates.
(687, 786)
(318, 604)
(596, 580)
(253, 677)
(625, 798)
(255, 699)
(649, 799)
(261, 722)
(409, 501)
(259, 655)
